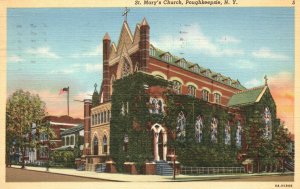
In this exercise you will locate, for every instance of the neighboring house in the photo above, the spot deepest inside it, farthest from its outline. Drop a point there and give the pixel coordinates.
(58, 124)
(72, 138)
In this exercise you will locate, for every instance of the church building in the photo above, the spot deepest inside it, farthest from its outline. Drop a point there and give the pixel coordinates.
(208, 107)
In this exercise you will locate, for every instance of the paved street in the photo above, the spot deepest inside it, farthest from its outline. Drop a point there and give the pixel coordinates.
(19, 175)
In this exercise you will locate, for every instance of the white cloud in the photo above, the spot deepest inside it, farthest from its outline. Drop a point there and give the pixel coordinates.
(92, 53)
(269, 54)
(193, 39)
(93, 67)
(243, 64)
(43, 52)
(253, 83)
(228, 40)
(15, 58)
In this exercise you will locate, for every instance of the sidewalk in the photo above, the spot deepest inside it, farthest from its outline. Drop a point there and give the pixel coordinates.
(118, 177)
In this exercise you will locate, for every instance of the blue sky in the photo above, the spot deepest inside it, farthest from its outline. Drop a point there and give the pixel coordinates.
(53, 48)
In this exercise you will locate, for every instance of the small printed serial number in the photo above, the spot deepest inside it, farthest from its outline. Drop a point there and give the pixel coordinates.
(283, 185)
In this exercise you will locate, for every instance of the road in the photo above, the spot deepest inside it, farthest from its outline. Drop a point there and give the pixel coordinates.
(20, 175)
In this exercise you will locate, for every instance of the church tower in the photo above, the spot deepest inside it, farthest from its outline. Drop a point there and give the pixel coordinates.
(105, 81)
(144, 45)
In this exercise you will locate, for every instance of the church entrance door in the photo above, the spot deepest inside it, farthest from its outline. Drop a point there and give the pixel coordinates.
(159, 142)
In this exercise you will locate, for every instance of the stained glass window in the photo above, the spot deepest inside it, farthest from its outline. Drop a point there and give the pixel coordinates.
(214, 130)
(268, 123)
(199, 128)
(227, 134)
(239, 134)
(156, 105)
(180, 127)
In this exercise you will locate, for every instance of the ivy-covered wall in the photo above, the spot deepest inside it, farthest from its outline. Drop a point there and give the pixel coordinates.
(131, 118)
(204, 153)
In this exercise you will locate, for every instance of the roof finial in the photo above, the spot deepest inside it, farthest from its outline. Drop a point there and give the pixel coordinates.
(95, 85)
(125, 14)
(266, 80)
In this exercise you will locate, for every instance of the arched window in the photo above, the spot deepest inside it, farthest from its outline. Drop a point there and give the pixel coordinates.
(227, 139)
(199, 129)
(101, 117)
(180, 127)
(104, 143)
(205, 94)
(192, 90)
(217, 98)
(177, 87)
(104, 116)
(125, 145)
(268, 123)
(126, 68)
(238, 134)
(159, 76)
(214, 130)
(95, 144)
(112, 80)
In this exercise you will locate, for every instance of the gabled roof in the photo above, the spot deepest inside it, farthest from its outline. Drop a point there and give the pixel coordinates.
(247, 97)
(72, 130)
(160, 53)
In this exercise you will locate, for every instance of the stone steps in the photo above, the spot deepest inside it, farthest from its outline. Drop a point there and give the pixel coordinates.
(163, 168)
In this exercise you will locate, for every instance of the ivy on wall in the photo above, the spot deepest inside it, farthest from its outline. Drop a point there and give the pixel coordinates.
(131, 117)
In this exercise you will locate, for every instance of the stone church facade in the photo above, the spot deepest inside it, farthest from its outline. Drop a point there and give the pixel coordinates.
(133, 53)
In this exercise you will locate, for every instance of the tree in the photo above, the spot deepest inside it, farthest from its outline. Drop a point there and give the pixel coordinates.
(22, 110)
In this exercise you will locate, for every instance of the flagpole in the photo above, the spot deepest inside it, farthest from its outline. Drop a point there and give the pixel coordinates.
(68, 100)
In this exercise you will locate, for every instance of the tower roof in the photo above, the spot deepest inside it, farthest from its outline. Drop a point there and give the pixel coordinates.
(144, 22)
(106, 36)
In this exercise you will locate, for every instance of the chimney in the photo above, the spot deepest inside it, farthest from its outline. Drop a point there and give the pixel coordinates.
(144, 45)
(87, 125)
(106, 80)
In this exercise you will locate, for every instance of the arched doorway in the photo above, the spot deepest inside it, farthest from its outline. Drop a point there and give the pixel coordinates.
(95, 144)
(159, 142)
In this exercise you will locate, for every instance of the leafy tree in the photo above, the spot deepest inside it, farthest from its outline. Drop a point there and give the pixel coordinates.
(22, 110)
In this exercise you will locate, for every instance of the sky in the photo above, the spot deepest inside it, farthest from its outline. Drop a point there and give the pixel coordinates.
(49, 49)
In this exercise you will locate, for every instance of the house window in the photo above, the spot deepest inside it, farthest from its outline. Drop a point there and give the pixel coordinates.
(217, 98)
(177, 87)
(102, 117)
(95, 143)
(68, 141)
(196, 69)
(205, 94)
(192, 90)
(72, 140)
(43, 152)
(182, 63)
(104, 144)
(167, 58)
(99, 118)
(152, 52)
(63, 141)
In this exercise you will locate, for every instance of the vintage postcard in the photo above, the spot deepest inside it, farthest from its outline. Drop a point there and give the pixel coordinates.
(149, 93)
